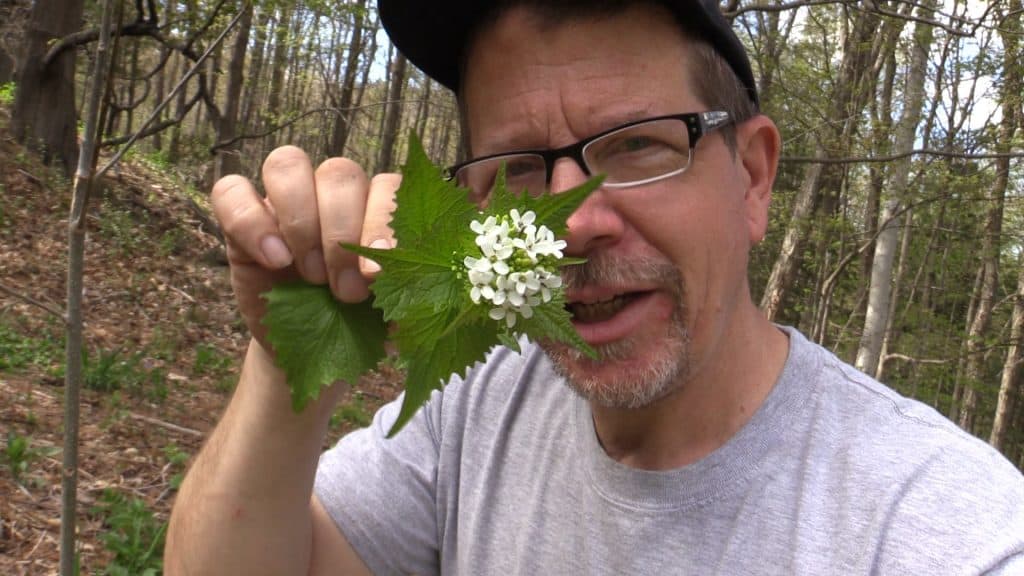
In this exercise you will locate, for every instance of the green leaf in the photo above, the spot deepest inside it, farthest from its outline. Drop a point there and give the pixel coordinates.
(552, 209)
(319, 340)
(552, 322)
(436, 347)
(432, 212)
(422, 288)
(410, 280)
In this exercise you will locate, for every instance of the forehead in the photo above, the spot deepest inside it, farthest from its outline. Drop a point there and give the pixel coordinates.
(531, 81)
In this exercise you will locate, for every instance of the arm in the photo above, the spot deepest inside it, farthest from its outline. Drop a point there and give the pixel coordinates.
(246, 505)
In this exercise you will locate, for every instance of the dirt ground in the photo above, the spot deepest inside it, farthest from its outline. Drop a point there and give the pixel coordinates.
(164, 345)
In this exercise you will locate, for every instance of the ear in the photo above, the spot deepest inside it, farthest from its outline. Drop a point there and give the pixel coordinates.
(757, 145)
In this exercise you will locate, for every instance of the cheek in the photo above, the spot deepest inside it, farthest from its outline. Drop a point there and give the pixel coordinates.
(691, 229)
(707, 241)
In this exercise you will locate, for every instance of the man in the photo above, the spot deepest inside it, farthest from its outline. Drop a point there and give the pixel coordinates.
(706, 440)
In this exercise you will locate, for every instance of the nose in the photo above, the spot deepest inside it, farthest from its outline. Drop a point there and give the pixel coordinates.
(596, 222)
(566, 173)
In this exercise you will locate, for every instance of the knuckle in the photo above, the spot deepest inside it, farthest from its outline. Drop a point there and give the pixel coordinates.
(240, 217)
(300, 223)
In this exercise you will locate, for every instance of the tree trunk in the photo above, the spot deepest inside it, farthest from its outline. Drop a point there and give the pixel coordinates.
(298, 59)
(1009, 386)
(879, 293)
(279, 61)
(848, 99)
(73, 316)
(157, 141)
(212, 86)
(44, 108)
(897, 285)
(13, 19)
(423, 108)
(228, 161)
(1010, 100)
(174, 148)
(254, 79)
(392, 114)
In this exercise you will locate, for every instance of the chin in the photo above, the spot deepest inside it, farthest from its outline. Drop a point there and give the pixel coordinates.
(628, 374)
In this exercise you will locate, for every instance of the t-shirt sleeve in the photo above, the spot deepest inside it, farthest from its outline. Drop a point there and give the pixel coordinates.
(962, 513)
(381, 492)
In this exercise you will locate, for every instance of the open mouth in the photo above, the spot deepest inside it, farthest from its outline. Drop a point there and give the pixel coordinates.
(591, 312)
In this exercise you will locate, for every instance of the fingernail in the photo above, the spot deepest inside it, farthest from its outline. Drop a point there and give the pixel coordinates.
(275, 251)
(368, 266)
(313, 266)
(350, 286)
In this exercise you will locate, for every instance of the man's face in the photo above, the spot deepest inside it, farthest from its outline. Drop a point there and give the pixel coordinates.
(666, 261)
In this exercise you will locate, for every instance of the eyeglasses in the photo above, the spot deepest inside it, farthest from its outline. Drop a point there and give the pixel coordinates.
(632, 154)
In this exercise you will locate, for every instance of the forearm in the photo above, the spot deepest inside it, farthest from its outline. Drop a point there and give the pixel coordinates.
(244, 507)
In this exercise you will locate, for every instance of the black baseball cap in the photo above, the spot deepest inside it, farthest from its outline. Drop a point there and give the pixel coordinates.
(433, 34)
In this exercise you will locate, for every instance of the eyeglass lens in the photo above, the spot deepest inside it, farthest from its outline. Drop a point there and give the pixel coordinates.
(632, 155)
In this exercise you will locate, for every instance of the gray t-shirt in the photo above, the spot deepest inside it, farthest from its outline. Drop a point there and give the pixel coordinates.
(834, 474)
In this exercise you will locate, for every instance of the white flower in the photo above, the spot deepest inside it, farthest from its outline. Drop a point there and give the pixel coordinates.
(522, 221)
(510, 275)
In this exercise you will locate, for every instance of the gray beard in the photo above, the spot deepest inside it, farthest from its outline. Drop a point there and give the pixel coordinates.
(643, 385)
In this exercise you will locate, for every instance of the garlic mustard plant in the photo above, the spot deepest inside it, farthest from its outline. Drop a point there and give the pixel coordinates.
(506, 259)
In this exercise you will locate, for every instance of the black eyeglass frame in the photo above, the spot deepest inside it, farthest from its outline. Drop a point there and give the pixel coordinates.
(697, 124)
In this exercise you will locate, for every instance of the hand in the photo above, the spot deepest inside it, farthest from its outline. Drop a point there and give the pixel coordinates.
(294, 232)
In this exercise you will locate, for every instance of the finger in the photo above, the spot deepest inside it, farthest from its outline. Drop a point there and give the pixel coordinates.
(380, 205)
(249, 228)
(341, 187)
(288, 178)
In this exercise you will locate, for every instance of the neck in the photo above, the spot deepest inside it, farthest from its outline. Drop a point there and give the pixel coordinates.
(718, 398)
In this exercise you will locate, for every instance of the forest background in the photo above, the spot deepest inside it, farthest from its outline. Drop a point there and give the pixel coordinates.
(896, 221)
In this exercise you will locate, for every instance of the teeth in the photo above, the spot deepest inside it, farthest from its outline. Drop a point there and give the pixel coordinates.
(597, 311)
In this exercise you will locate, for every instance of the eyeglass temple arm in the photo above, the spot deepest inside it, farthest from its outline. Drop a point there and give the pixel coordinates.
(711, 120)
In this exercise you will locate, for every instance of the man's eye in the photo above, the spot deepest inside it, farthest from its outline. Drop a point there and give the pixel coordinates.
(634, 143)
(516, 169)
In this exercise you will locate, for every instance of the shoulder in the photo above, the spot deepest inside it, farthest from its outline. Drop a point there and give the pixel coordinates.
(936, 490)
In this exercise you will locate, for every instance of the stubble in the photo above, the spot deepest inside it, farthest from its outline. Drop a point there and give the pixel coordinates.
(635, 385)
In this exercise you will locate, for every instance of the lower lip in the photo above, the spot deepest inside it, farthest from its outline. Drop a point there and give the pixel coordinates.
(630, 319)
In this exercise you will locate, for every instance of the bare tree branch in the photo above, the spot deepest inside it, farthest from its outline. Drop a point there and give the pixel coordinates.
(872, 8)
(11, 291)
(137, 28)
(196, 68)
(158, 127)
(141, 27)
(329, 109)
(891, 157)
(913, 360)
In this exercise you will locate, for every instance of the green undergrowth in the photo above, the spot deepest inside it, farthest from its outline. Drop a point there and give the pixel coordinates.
(133, 533)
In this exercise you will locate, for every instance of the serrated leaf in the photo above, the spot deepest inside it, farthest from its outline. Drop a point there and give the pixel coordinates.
(319, 340)
(421, 287)
(553, 323)
(432, 211)
(552, 209)
(435, 351)
(410, 280)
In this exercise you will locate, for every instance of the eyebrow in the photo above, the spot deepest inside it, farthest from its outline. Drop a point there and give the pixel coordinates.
(603, 121)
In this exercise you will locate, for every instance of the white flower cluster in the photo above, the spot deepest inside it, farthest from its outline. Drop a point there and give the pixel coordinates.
(516, 271)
